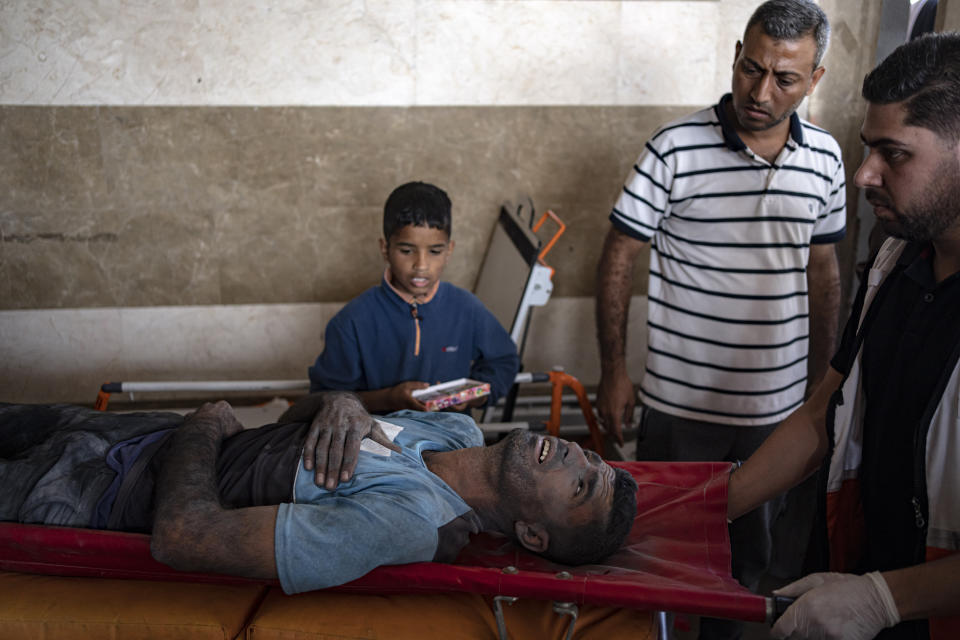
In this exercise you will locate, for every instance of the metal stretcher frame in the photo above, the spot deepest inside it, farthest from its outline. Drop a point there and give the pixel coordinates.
(559, 381)
(676, 559)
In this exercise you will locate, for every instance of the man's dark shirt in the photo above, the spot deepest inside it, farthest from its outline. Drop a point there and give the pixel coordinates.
(914, 328)
(255, 467)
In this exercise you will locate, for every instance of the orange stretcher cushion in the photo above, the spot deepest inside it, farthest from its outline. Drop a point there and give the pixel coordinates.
(55, 608)
(459, 616)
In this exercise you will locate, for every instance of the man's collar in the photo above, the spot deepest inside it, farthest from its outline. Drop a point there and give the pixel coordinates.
(796, 129)
(917, 262)
(730, 136)
(915, 250)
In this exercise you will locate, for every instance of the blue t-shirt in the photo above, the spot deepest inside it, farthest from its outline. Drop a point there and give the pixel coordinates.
(372, 343)
(388, 513)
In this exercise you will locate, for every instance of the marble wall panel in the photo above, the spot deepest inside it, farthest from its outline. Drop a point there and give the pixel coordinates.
(69, 270)
(836, 105)
(364, 52)
(235, 205)
(51, 160)
(163, 257)
(57, 355)
(214, 52)
(195, 159)
(222, 342)
(298, 255)
(357, 156)
(149, 258)
(64, 355)
(659, 61)
(517, 52)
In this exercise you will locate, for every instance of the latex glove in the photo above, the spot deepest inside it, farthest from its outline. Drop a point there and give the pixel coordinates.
(332, 444)
(837, 606)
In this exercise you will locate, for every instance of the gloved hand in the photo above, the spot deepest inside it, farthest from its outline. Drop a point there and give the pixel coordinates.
(837, 606)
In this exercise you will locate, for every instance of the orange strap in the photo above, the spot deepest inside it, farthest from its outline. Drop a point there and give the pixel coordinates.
(416, 324)
(103, 398)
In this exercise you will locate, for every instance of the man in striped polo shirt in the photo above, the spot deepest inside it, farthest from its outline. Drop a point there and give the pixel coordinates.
(741, 204)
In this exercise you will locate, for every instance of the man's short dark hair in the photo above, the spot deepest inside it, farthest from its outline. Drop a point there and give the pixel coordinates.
(793, 20)
(418, 204)
(925, 73)
(592, 542)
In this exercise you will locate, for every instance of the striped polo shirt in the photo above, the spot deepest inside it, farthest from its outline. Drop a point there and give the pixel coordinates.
(727, 325)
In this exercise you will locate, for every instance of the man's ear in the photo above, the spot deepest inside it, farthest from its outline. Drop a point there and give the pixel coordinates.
(384, 250)
(533, 536)
(814, 79)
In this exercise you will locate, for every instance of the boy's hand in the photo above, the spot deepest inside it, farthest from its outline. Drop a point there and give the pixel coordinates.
(332, 445)
(401, 398)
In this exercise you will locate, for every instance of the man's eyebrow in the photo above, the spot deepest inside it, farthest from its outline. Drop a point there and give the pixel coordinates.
(881, 142)
(785, 72)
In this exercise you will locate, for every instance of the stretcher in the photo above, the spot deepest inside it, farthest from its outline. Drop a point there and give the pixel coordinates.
(676, 559)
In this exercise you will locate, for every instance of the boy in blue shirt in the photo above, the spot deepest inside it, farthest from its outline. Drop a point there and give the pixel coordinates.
(414, 330)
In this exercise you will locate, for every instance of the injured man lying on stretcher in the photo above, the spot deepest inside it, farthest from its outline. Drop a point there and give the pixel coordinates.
(222, 499)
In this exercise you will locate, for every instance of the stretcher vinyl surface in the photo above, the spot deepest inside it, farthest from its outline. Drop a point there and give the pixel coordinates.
(676, 559)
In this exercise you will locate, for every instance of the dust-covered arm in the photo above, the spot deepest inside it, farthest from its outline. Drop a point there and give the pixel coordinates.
(615, 394)
(192, 531)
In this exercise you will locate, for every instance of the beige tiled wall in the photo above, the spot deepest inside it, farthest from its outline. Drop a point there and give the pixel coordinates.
(368, 52)
(170, 170)
(64, 355)
(134, 206)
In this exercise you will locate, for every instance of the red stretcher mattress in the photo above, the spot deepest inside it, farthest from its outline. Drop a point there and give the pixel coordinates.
(676, 559)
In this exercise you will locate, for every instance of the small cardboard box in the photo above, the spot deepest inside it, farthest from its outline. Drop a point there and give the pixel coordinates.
(447, 394)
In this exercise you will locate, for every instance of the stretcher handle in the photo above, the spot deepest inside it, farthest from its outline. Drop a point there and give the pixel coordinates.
(103, 396)
(776, 606)
(531, 376)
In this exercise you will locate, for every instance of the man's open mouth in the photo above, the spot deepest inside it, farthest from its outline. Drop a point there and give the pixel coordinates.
(544, 450)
